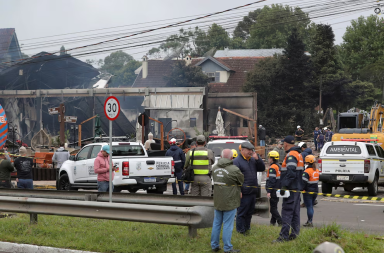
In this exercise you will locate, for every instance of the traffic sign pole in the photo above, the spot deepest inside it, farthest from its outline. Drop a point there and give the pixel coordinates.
(111, 111)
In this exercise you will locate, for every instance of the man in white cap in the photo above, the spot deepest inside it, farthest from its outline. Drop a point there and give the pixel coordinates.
(262, 134)
(299, 134)
(24, 169)
(179, 160)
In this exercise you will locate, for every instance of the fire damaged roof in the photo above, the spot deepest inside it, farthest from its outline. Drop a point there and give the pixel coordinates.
(48, 72)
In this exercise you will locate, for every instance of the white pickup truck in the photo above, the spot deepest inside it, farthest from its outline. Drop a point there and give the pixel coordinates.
(134, 169)
(351, 164)
(219, 145)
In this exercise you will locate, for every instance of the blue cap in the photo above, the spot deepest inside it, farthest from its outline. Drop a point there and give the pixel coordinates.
(106, 149)
(289, 139)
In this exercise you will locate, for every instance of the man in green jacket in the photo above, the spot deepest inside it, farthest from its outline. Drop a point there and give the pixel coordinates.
(227, 179)
(6, 168)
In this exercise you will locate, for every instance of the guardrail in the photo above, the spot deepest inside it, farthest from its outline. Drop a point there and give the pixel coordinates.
(194, 212)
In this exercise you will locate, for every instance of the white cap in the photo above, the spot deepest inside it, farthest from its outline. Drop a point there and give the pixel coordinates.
(260, 126)
(298, 127)
(325, 128)
(173, 140)
(301, 144)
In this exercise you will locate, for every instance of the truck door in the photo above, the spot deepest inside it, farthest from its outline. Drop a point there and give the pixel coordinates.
(80, 170)
(380, 152)
(91, 175)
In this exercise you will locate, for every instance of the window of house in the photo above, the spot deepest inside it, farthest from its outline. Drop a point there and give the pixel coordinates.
(192, 122)
(237, 122)
(211, 76)
(245, 123)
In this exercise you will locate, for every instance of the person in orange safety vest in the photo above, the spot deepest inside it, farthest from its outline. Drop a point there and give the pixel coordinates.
(310, 184)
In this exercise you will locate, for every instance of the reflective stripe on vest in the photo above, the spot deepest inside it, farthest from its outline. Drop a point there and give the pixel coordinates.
(200, 162)
(277, 168)
(299, 165)
(313, 175)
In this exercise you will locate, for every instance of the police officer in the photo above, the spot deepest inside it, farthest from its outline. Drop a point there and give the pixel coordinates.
(315, 135)
(249, 164)
(291, 174)
(273, 182)
(203, 159)
(179, 160)
(310, 184)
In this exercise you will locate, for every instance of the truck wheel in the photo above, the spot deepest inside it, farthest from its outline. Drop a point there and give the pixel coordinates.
(373, 187)
(348, 188)
(64, 184)
(117, 189)
(326, 188)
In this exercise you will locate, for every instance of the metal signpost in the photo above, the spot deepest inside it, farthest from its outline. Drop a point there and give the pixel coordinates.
(112, 111)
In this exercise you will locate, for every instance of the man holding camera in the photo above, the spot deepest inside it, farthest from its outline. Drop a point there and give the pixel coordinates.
(249, 164)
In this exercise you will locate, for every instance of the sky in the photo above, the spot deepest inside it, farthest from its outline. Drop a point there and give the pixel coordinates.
(82, 22)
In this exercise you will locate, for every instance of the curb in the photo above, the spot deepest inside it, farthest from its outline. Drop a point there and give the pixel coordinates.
(27, 248)
(44, 187)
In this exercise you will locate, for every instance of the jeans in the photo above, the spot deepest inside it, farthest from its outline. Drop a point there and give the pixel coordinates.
(309, 199)
(262, 143)
(228, 218)
(245, 212)
(315, 141)
(25, 184)
(181, 186)
(103, 186)
(187, 187)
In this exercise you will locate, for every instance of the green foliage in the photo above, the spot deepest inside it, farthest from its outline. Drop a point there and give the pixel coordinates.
(126, 75)
(242, 29)
(115, 62)
(374, 73)
(363, 44)
(367, 94)
(274, 25)
(217, 37)
(186, 76)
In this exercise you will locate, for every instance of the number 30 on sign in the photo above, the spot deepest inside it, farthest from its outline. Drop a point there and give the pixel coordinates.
(112, 108)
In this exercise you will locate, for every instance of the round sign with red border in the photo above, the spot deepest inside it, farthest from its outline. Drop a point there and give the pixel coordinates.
(112, 108)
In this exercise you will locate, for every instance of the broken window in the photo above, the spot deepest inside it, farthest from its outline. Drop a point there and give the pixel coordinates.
(245, 123)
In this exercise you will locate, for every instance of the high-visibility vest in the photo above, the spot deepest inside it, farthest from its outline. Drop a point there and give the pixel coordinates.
(200, 162)
(299, 158)
(277, 169)
(313, 175)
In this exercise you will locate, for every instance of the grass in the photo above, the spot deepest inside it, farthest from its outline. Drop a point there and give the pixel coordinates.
(121, 236)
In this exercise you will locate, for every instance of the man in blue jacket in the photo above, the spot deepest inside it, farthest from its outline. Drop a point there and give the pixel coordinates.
(249, 164)
(179, 159)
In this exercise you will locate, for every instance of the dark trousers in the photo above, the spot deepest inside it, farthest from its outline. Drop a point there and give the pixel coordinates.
(273, 201)
(290, 215)
(320, 144)
(25, 184)
(181, 187)
(5, 184)
(315, 141)
(245, 212)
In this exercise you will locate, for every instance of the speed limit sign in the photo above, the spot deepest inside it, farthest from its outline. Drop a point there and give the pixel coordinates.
(112, 108)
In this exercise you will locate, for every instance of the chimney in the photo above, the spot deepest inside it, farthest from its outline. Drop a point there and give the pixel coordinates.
(188, 60)
(145, 67)
(226, 50)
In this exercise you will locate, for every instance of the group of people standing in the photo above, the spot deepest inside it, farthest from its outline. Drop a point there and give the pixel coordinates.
(321, 136)
(291, 176)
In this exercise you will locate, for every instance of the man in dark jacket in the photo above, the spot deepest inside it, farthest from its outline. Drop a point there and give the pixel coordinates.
(249, 163)
(5, 171)
(304, 150)
(262, 134)
(291, 174)
(227, 179)
(23, 166)
(179, 160)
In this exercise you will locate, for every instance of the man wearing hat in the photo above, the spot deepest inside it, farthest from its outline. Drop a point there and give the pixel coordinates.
(280, 149)
(101, 167)
(202, 161)
(249, 164)
(299, 134)
(24, 169)
(6, 168)
(179, 160)
(290, 179)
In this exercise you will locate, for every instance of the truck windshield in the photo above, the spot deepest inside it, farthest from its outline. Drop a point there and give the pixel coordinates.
(127, 150)
(345, 149)
(218, 147)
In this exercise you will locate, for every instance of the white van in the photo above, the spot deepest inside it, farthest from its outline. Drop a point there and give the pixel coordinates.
(351, 164)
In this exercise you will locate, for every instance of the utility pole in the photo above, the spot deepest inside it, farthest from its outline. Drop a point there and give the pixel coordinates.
(62, 123)
(321, 90)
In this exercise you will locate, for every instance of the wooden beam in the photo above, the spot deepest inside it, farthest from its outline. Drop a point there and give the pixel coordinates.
(239, 115)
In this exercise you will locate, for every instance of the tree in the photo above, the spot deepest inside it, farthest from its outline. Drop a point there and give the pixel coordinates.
(363, 44)
(367, 94)
(242, 29)
(274, 25)
(115, 61)
(186, 76)
(217, 37)
(126, 75)
(375, 73)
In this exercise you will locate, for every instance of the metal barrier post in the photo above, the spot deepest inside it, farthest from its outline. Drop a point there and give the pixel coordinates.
(192, 232)
(33, 218)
